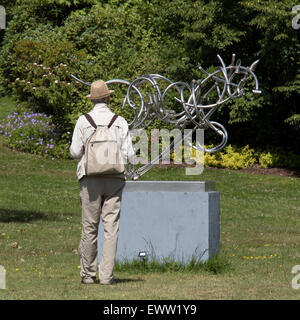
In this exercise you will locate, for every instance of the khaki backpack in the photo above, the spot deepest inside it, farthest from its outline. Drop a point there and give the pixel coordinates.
(102, 152)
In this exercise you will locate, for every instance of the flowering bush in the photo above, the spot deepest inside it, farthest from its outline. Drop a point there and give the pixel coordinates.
(42, 80)
(35, 133)
(232, 158)
(267, 160)
(186, 154)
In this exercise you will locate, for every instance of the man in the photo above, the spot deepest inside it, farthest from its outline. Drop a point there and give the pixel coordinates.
(101, 194)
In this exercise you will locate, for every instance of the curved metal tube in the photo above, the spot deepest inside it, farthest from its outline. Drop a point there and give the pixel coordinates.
(195, 108)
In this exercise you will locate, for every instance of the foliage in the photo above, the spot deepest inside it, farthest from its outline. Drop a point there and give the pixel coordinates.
(232, 158)
(43, 79)
(34, 133)
(186, 154)
(217, 264)
(278, 157)
(279, 68)
(98, 43)
(120, 36)
(266, 160)
(125, 39)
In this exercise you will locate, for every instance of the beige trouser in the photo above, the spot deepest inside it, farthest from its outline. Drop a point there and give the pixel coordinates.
(100, 197)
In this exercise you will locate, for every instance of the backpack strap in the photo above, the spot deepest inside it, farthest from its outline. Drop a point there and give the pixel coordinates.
(90, 120)
(93, 124)
(112, 120)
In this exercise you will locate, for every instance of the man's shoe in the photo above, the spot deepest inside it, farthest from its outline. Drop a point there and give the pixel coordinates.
(109, 282)
(88, 280)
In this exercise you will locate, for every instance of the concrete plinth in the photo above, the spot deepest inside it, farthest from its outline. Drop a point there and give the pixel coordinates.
(178, 220)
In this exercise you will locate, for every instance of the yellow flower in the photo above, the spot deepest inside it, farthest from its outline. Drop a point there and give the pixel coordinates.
(78, 267)
(266, 245)
(17, 269)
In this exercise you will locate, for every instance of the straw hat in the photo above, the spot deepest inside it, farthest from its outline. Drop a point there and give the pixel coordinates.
(99, 90)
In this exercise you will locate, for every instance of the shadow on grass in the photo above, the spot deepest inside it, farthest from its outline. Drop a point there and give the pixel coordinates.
(7, 215)
(118, 280)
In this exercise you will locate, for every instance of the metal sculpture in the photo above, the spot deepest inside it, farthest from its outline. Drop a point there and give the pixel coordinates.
(148, 97)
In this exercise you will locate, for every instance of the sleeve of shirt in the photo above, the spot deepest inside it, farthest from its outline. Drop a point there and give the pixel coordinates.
(127, 147)
(77, 145)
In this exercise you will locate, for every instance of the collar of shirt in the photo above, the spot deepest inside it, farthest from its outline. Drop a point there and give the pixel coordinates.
(99, 106)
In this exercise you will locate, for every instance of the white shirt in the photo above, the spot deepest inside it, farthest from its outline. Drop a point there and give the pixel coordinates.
(101, 115)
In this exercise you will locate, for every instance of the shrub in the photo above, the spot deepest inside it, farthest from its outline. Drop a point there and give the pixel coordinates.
(266, 160)
(187, 155)
(232, 158)
(278, 157)
(238, 158)
(43, 79)
(34, 133)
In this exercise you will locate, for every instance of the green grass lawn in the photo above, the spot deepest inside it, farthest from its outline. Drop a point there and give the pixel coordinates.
(40, 227)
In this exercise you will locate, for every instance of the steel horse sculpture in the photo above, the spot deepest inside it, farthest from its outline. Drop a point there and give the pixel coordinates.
(197, 102)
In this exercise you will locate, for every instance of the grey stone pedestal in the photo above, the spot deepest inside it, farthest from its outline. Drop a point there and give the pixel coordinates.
(178, 220)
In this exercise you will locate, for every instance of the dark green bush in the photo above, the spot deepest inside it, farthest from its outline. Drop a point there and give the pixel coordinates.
(43, 81)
